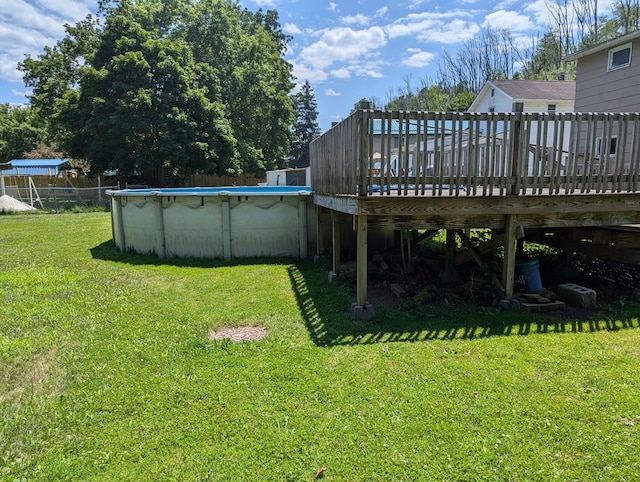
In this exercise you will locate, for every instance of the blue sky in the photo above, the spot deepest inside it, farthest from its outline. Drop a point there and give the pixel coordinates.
(347, 50)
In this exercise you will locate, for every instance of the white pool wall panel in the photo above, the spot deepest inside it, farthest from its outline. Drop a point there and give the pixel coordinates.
(192, 228)
(225, 225)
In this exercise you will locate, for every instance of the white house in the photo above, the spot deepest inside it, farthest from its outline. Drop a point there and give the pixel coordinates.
(533, 95)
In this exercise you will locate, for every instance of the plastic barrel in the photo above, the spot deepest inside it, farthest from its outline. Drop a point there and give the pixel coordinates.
(528, 276)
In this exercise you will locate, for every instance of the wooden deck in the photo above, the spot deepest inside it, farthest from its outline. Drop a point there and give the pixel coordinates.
(511, 171)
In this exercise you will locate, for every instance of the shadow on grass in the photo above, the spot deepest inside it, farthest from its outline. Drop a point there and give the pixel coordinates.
(325, 308)
(108, 251)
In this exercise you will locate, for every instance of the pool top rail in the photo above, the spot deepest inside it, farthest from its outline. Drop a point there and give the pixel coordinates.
(215, 191)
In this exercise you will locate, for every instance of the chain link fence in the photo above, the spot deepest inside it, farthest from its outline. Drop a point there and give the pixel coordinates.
(62, 198)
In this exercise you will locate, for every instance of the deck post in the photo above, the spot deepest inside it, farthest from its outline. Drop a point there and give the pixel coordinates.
(510, 248)
(335, 243)
(361, 310)
(362, 260)
(319, 230)
(449, 275)
(302, 225)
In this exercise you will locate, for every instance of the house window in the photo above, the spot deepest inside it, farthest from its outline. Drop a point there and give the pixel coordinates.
(613, 144)
(492, 109)
(551, 108)
(620, 57)
(493, 92)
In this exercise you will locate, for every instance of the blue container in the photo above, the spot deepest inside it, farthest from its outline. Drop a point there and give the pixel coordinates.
(528, 276)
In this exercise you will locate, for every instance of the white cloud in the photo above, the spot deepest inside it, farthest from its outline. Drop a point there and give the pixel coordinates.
(508, 19)
(341, 73)
(381, 12)
(358, 19)
(342, 44)
(302, 72)
(417, 58)
(332, 93)
(27, 27)
(71, 9)
(450, 27)
(21, 93)
(333, 7)
(450, 33)
(414, 4)
(368, 67)
(505, 4)
(540, 12)
(291, 28)
(265, 3)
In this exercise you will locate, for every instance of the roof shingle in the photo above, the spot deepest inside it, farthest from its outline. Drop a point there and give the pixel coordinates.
(537, 89)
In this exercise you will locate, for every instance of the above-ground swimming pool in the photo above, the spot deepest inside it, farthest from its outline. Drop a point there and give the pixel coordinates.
(221, 222)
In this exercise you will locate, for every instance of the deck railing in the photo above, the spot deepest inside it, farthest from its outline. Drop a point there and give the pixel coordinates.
(489, 154)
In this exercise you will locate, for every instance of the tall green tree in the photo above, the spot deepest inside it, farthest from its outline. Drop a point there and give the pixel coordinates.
(58, 69)
(143, 105)
(189, 86)
(305, 128)
(21, 130)
(246, 51)
(546, 61)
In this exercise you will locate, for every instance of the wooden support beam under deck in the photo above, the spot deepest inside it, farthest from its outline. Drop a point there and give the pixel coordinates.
(335, 242)
(319, 231)
(510, 248)
(362, 261)
(449, 274)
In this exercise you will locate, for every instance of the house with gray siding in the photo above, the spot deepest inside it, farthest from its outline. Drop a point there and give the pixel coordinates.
(608, 75)
(608, 80)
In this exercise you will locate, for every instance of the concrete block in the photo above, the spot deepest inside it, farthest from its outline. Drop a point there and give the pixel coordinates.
(332, 276)
(397, 290)
(577, 295)
(542, 307)
(509, 305)
(362, 313)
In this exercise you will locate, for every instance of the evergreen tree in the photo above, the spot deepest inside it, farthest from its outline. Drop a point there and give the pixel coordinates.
(305, 127)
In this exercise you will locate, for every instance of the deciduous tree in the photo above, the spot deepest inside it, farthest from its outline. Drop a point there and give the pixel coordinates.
(189, 86)
(20, 131)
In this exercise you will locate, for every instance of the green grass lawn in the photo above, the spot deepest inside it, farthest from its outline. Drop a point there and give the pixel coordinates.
(107, 373)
